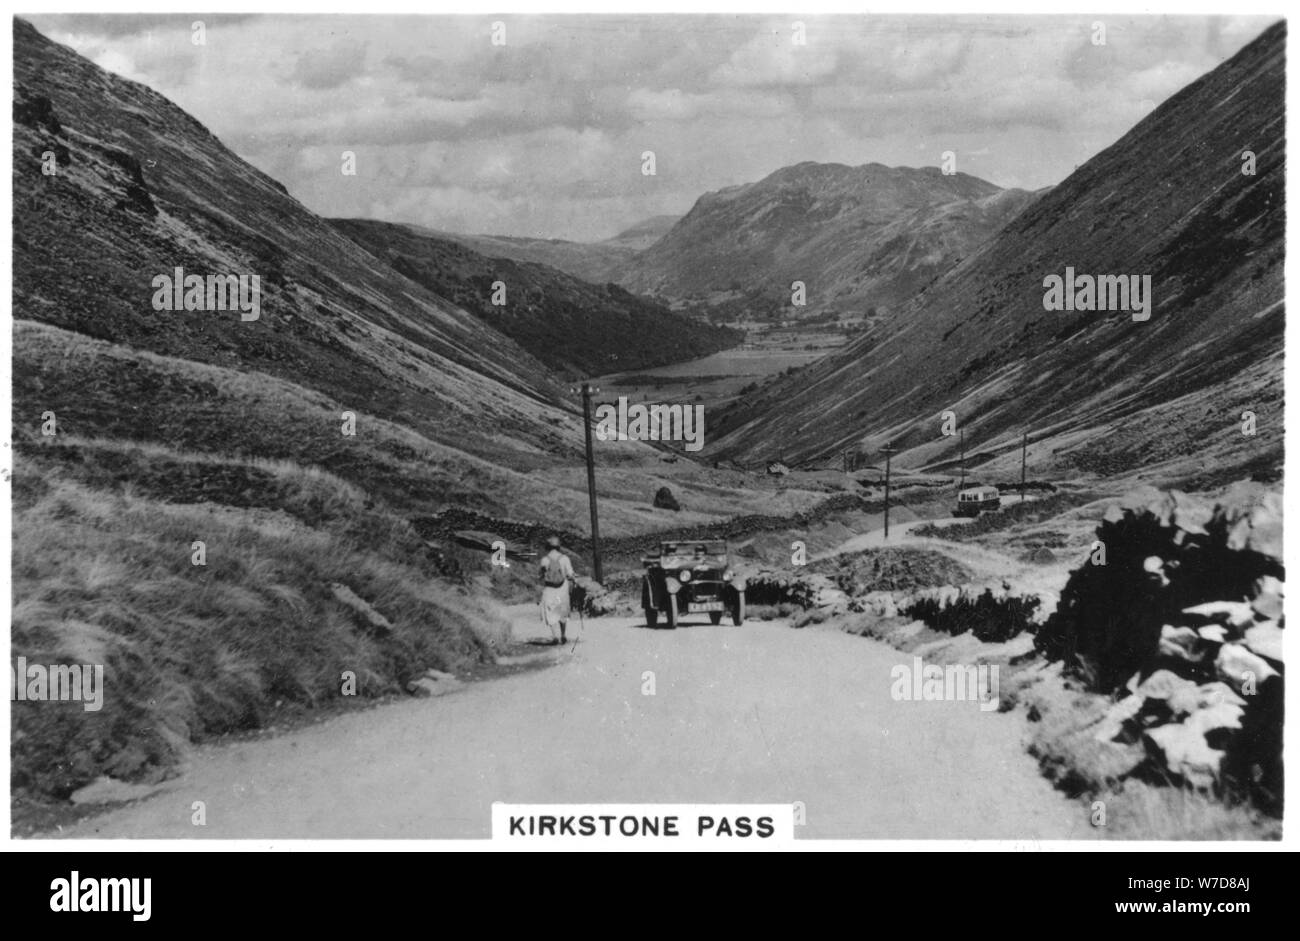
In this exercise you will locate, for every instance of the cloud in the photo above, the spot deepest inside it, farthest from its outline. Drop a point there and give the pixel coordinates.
(330, 68)
(543, 136)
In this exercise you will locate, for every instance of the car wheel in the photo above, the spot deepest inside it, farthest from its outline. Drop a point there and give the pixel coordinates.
(715, 617)
(738, 612)
(651, 617)
(672, 612)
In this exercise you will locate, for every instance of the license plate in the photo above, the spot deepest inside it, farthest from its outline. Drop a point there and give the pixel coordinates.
(706, 606)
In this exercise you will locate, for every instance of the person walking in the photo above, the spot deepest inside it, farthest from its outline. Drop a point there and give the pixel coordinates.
(557, 576)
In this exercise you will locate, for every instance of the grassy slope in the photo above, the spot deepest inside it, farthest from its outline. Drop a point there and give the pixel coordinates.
(194, 651)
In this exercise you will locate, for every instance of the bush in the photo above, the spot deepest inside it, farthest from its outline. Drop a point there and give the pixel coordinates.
(989, 618)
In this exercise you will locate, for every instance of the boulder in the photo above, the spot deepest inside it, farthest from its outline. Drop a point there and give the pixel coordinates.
(1187, 701)
(1268, 598)
(1265, 639)
(1224, 715)
(1183, 751)
(1237, 614)
(1181, 643)
(1163, 684)
(1236, 665)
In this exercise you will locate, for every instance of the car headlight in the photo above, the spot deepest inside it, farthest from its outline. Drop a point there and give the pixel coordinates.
(685, 575)
(726, 576)
(673, 585)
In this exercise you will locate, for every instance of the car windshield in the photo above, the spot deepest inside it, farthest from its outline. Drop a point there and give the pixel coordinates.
(694, 551)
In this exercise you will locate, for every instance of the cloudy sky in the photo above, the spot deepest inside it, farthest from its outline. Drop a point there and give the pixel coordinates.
(543, 136)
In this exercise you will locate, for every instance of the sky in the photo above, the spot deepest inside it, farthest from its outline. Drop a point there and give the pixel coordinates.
(542, 133)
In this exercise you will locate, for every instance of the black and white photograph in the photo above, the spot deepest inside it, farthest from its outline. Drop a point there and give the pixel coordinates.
(646, 429)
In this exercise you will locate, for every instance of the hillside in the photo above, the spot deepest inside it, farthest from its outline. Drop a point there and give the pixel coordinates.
(574, 327)
(591, 261)
(858, 237)
(1097, 391)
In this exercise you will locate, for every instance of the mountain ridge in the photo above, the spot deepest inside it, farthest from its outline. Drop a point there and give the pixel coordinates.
(1168, 199)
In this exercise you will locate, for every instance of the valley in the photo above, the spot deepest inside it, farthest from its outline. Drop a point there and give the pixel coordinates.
(264, 523)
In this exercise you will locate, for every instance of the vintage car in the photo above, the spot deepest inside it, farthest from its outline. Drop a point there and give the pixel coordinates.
(689, 577)
(975, 500)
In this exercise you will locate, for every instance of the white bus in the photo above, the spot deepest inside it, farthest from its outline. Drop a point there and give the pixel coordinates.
(974, 500)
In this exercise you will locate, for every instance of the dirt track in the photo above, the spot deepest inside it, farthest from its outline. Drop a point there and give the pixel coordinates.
(761, 713)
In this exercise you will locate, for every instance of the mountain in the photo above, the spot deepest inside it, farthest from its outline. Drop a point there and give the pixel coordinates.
(858, 237)
(572, 326)
(591, 261)
(1098, 392)
(449, 411)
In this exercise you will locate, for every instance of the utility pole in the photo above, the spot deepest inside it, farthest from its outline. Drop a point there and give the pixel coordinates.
(1024, 446)
(587, 390)
(888, 452)
(963, 460)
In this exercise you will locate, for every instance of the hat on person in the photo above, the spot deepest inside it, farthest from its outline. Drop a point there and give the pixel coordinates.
(553, 541)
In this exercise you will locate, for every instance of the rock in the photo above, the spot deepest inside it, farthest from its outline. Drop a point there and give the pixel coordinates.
(1236, 614)
(1236, 665)
(1116, 716)
(1215, 633)
(832, 598)
(372, 617)
(1163, 684)
(1268, 598)
(1265, 639)
(1191, 514)
(1224, 715)
(1186, 701)
(1184, 752)
(439, 675)
(1252, 515)
(1154, 566)
(1181, 643)
(664, 500)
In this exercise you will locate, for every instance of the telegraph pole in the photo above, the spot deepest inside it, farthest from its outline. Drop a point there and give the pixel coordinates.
(888, 452)
(963, 460)
(587, 390)
(1024, 446)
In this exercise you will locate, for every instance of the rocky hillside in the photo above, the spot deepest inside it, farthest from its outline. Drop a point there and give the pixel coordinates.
(1097, 391)
(858, 237)
(577, 328)
(591, 261)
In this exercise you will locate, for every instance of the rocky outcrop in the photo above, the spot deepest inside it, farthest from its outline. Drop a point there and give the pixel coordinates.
(1184, 625)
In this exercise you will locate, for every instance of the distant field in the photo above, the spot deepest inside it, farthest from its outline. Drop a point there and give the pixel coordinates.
(715, 380)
